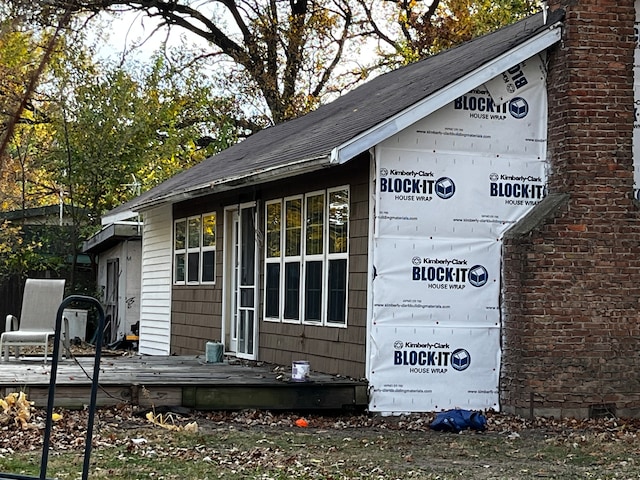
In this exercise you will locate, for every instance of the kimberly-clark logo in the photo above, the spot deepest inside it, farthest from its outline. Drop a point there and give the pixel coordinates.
(415, 184)
(517, 189)
(518, 108)
(478, 276)
(445, 188)
(460, 359)
(430, 357)
(447, 273)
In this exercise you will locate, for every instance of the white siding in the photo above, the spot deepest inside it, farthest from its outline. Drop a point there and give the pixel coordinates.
(155, 297)
(130, 285)
(128, 254)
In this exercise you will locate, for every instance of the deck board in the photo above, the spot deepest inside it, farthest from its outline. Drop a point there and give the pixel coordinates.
(187, 381)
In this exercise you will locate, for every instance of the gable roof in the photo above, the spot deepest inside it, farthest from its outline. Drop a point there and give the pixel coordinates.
(358, 120)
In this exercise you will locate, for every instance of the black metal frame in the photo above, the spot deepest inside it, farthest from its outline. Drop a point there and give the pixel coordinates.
(52, 390)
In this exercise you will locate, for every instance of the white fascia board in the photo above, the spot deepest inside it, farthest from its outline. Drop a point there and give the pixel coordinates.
(108, 219)
(372, 137)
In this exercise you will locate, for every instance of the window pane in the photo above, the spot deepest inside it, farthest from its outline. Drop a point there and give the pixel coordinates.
(242, 331)
(247, 296)
(180, 235)
(247, 247)
(272, 288)
(274, 224)
(336, 312)
(338, 221)
(293, 211)
(209, 230)
(292, 291)
(194, 233)
(314, 226)
(193, 267)
(250, 324)
(179, 266)
(208, 266)
(313, 291)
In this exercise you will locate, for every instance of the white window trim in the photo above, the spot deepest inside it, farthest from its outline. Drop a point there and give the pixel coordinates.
(192, 250)
(200, 249)
(208, 248)
(291, 259)
(274, 260)
(314, 258)
(303, 259)
(181, 251)
(338, 256)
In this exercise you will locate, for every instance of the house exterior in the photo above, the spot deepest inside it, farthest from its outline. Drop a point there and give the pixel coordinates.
(118, 251)
(419, 231)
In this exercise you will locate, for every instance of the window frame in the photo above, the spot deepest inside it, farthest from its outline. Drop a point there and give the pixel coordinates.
(306, 260)
(179, 251)
(208, 248)
(314, 258)
(291, 259)
(337, 256)
(195, 250)
(190, 248)
(273, 260)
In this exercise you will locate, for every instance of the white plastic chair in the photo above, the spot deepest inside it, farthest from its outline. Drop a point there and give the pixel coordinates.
(40, 303)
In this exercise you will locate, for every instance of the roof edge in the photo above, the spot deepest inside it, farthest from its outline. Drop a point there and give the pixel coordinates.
(110, 235)
(368, 139)
(225, 184)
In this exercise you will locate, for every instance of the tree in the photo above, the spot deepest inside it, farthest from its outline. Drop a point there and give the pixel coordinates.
(286, 52)
(23, 117)
(117, 135)
(13, 113)
(420, 29)
(19, 256)
(283, 58)
(88, 131)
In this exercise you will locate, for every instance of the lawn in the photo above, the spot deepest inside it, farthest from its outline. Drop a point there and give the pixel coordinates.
(263, 445)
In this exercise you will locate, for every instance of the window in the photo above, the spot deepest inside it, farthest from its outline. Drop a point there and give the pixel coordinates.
(338, 215)
(292, 251)
(208, 248)
(273, 246)
(306, 255)
(194, 249)
(179, 250)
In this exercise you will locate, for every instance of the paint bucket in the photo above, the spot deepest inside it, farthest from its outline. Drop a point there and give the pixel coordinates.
(214, 352)
(300, 371)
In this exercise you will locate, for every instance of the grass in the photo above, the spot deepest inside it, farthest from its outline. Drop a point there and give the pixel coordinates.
(263, 452)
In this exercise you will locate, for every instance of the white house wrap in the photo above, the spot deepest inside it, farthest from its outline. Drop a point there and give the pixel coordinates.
(446, 190)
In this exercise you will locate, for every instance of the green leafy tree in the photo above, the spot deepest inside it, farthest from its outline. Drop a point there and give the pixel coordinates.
(117, 135)
(409, 30)
(19, 256)
(24, 120)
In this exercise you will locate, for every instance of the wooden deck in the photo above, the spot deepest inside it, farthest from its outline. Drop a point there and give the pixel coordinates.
(187, 381)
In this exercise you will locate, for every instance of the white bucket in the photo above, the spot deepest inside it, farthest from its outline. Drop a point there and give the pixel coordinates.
(300, 371)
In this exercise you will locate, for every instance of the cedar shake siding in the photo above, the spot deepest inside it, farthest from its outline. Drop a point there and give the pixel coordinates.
(332, 350)
(196, 310)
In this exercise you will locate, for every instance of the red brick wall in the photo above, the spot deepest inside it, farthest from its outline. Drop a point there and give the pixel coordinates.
(572, 277)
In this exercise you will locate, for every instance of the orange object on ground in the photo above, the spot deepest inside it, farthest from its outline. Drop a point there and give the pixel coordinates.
(301, 422)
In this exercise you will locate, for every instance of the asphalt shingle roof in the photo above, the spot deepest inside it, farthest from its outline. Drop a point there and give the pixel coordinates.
(316, 134)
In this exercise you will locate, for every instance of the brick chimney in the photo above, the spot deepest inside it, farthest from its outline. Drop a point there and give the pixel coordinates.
(571, 338)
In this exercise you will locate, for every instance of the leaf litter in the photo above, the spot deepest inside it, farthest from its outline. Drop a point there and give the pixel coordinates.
(254, 444)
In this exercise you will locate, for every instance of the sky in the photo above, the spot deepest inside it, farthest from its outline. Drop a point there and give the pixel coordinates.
(125, 31)
(136, 31)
